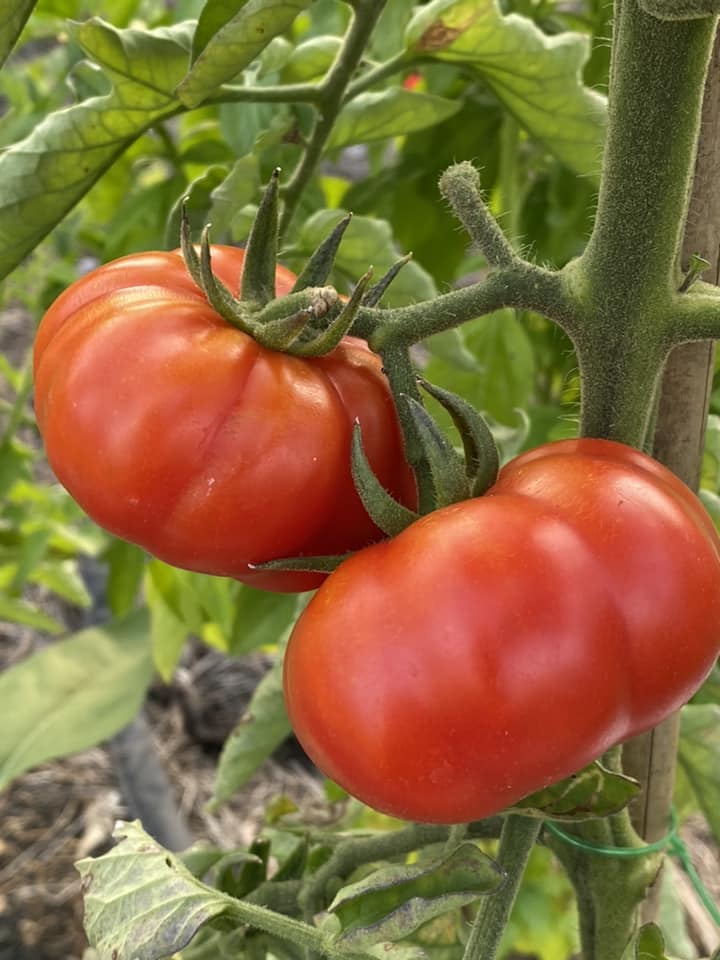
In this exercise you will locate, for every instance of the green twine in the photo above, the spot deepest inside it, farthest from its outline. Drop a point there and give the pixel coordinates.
(672, 842)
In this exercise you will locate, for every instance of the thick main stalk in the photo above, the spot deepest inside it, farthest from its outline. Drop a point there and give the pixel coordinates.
(628, 275)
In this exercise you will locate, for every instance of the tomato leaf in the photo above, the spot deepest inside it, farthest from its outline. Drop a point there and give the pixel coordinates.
(389, 113)
(393, 901)
(236, 44)
(13, 16)
(213, 17)
(537, 77)
(62, 577)
(504, 353)
(196, 198)
(260, 618)
(126, 564)
(699, 758)
(649, 943)
(593, 792)
(73, 694)
(263, 728)
(311, 59)
(22, 611)
(44, 175)
(139, 878)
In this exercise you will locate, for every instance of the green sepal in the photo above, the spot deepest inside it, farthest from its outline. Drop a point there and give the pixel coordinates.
(280, 333)
(200, 269)
(383, 509)
(258, 278)
(446, 466)
(374, 294)
(318, 267)
(482, 460)
(330, 337)
(303, 564)
(674, 10)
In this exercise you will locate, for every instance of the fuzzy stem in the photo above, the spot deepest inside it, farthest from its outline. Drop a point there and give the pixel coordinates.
(628, 276)
(609, 889)
(381, 71)
(332, 91)
(521, 285)
(516, 842)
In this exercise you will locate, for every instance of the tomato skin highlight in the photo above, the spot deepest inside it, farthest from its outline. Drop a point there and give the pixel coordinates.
(178, 432)
(503, 643)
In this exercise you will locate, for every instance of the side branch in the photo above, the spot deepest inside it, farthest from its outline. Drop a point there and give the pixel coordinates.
(696, 315)
(523, 286)
(460, 185)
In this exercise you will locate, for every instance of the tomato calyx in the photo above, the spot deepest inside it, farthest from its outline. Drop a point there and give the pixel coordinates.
(482, 461)
(312, 319)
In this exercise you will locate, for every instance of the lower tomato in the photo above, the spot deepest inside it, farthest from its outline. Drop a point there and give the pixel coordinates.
(501, 644)
(176, 431)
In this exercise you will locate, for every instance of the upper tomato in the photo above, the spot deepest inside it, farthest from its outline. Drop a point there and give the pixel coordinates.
(176, 431)
(500, 644)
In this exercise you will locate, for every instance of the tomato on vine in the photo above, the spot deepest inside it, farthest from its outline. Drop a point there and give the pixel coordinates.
(178, 432)
(502, 643)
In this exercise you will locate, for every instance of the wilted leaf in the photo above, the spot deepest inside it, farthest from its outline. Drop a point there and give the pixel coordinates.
(392, 902)
(73, 694)
(142, 903)
(537, 77)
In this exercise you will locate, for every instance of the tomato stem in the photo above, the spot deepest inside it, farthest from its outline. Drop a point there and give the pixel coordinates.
(517, 839)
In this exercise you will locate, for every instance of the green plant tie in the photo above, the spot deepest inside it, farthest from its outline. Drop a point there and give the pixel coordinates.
(671, 842)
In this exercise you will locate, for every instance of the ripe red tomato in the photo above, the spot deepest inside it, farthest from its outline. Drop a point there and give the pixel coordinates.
(501, 644)
(176, 431)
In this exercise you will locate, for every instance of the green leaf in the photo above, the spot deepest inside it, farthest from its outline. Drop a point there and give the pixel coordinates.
(237, 189)
(43, 176)
(593, 792)
(699, 758)
(311, 59)
(649, 944)
(393, 901)
(366, 242)
(63, 579)
(504, 353)
(195, 197)
(138, 878)
(168, 627)
(389, 113)
(126, 564)
(263, 728)
(236, 44)
(73, 694)
(260, 618)
(13, 16)
(537, 77)
(213, 17)
(21, 611)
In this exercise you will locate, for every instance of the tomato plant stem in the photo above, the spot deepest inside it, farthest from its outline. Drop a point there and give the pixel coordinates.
(626, 283)
(332, 92)
(516, 842)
